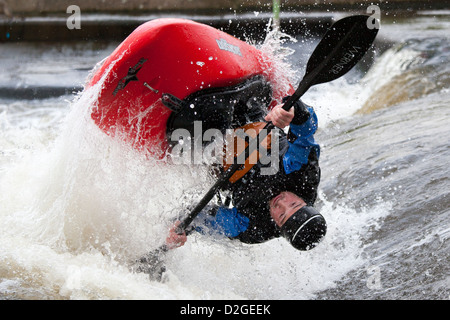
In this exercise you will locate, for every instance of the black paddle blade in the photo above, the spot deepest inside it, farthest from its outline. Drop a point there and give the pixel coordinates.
(342, 46)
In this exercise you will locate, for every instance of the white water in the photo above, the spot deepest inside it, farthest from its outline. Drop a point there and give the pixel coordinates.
(77, 207)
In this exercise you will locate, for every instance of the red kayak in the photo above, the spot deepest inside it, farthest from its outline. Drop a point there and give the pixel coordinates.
(161, 64)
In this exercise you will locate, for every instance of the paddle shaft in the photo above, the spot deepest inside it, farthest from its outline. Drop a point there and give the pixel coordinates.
(208, 196)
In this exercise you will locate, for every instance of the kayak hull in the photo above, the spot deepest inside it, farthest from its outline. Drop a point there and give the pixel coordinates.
(167, 56)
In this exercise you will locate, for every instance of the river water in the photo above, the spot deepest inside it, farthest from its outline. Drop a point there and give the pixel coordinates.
(76, 206)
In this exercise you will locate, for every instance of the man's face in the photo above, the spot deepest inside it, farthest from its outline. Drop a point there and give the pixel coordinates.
(284, 205)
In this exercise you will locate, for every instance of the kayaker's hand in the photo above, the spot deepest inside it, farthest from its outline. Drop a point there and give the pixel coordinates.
(175, 240)
(280, 117)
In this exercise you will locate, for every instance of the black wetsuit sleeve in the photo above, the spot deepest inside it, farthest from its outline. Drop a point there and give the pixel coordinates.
(257, 233)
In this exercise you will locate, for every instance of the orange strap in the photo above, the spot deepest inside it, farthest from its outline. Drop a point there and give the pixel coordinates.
(251, 130)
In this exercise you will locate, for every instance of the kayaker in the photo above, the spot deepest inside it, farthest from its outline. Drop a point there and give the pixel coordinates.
(269, 206)
(148, 89)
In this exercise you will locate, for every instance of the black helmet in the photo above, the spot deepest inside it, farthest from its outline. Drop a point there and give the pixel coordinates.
(305, 228)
